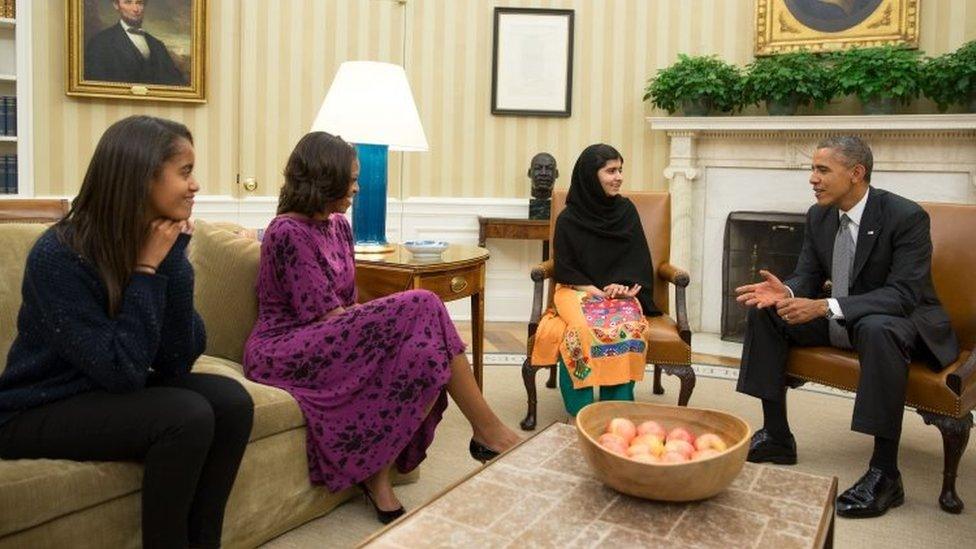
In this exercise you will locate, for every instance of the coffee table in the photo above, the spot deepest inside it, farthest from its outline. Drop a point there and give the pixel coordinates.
(542, 494)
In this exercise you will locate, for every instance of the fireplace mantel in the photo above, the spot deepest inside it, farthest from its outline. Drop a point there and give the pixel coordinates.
(940, 148)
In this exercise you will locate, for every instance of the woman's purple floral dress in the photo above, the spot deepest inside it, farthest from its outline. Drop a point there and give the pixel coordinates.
(364, 379)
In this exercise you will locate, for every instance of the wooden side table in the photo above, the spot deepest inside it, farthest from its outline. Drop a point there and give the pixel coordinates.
(458, 273)
(515, 229)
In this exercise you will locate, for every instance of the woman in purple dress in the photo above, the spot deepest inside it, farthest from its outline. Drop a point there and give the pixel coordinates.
(369, 378)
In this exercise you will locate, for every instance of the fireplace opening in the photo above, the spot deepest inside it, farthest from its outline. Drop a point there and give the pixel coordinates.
(755, 241)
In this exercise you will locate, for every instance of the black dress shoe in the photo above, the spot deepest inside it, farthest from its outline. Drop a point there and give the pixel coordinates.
(764, 448)
(481, 452)
(871, 496)
(385, 517)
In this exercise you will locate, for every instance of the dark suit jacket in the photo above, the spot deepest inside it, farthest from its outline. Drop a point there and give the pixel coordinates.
(892, 268)
(110, 56)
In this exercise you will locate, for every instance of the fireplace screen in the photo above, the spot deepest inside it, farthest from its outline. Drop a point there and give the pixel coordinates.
(754, 241)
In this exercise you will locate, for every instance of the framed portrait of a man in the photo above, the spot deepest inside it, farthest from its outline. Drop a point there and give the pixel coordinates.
(825, 25)
(137, 49)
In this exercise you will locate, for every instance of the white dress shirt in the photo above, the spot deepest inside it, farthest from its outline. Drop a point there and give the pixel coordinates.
(137, 38)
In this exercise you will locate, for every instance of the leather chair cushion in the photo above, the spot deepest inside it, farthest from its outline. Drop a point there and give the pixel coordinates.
(927, 390)
(665, 345)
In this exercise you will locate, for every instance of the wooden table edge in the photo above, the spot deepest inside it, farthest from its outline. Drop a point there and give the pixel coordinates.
(452, 486)
(827, 518)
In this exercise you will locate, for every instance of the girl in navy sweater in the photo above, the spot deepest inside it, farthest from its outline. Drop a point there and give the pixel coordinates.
(107, 334)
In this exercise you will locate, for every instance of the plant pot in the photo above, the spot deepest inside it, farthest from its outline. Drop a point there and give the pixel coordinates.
(699, 106)
(879, 105)
(784, 107)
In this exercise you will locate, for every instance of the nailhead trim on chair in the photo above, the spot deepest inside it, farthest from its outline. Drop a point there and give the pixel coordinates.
(956, 414)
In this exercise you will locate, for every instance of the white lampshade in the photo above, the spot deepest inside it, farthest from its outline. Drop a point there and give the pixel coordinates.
(371, 103)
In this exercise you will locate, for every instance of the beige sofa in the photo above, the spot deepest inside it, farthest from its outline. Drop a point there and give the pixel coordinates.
(59, 503)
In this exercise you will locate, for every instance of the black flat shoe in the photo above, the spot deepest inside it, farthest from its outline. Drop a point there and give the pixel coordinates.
(385, 517)
(871, 496)
(763, 448)
(481, 452)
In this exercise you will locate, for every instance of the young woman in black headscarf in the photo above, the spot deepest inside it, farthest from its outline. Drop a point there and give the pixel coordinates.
(603, 272)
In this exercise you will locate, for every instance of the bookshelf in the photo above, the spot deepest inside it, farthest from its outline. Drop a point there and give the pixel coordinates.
(15, 82)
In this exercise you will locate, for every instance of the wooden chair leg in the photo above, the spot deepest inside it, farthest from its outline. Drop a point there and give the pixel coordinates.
(955, 437)
(658, 388)
(551, 382)
(687, 376)
(528, 378)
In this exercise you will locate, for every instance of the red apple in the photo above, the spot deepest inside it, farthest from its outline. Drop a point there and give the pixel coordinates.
(680, 447)
(611, 437)
(623, 427)
(680, 433)
(710, 441)
(651, 427)
(655, 444)
(615, 447)
(635, 449)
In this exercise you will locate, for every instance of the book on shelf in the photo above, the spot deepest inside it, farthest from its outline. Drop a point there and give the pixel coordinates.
(8, 9)
(8, 174)
(8, 115)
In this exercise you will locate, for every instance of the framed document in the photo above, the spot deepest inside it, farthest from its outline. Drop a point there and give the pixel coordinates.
(532, 62)
(137, 49)
(825, 25)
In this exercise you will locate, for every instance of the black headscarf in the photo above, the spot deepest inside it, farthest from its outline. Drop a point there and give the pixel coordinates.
(599, 239)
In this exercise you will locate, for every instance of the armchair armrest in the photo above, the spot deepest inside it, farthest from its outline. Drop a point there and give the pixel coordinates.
(539, 274)
(680, 279)
(957, 380)
(543, 270)
(674, 275)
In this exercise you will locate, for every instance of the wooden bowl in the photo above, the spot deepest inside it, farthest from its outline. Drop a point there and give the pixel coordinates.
(688, 481)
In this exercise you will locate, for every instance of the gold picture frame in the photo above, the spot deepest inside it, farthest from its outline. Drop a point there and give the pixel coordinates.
(154, 50)
(828, 25)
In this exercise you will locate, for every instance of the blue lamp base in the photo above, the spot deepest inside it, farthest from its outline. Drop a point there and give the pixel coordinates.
(369, 205)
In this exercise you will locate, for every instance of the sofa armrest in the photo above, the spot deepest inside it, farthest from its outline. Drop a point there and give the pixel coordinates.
(957, 380)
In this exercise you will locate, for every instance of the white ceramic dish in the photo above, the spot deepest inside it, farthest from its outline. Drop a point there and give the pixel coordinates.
(425, 249)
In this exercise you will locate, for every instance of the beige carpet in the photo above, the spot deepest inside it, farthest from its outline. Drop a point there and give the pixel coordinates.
(826, 447)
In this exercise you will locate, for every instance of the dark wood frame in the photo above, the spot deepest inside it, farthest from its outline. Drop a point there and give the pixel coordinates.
(495, 109)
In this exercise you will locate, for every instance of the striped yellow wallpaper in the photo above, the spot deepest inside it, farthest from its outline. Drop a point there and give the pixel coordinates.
(272, 60)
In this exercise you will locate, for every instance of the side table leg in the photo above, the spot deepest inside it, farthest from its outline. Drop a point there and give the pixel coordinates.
(477, 336)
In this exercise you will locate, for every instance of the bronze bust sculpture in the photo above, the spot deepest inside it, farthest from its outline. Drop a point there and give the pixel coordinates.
(543, 173)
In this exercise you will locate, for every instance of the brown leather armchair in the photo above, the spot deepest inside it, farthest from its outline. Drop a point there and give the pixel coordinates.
(944, 399)
(670, 339)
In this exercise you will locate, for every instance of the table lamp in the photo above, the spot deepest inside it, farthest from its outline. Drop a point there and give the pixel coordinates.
(370, 105)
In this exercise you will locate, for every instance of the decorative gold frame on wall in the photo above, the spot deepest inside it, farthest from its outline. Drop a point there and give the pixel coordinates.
(779, 30)
(193, 92)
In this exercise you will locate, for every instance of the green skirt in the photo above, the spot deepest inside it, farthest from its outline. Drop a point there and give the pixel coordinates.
(575, 399)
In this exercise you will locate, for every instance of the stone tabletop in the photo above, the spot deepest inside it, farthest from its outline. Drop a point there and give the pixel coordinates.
(542, 494)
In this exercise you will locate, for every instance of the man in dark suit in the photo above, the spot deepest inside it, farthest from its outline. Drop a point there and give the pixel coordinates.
(876, 249)
(126, 53)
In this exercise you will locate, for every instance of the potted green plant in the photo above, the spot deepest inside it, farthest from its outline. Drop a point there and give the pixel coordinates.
(696, 85)
(879, 77)
(788, 80)
(951, 78)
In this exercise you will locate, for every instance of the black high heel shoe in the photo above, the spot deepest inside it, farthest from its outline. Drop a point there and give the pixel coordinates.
(385, 517)
(481, 452)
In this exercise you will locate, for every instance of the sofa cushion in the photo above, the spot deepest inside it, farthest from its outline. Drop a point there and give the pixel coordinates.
(274, 409)
(226, 268)
(16, 241)
(34, 491)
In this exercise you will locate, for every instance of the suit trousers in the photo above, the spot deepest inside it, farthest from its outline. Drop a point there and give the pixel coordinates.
(884, 344)
(190, 432)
